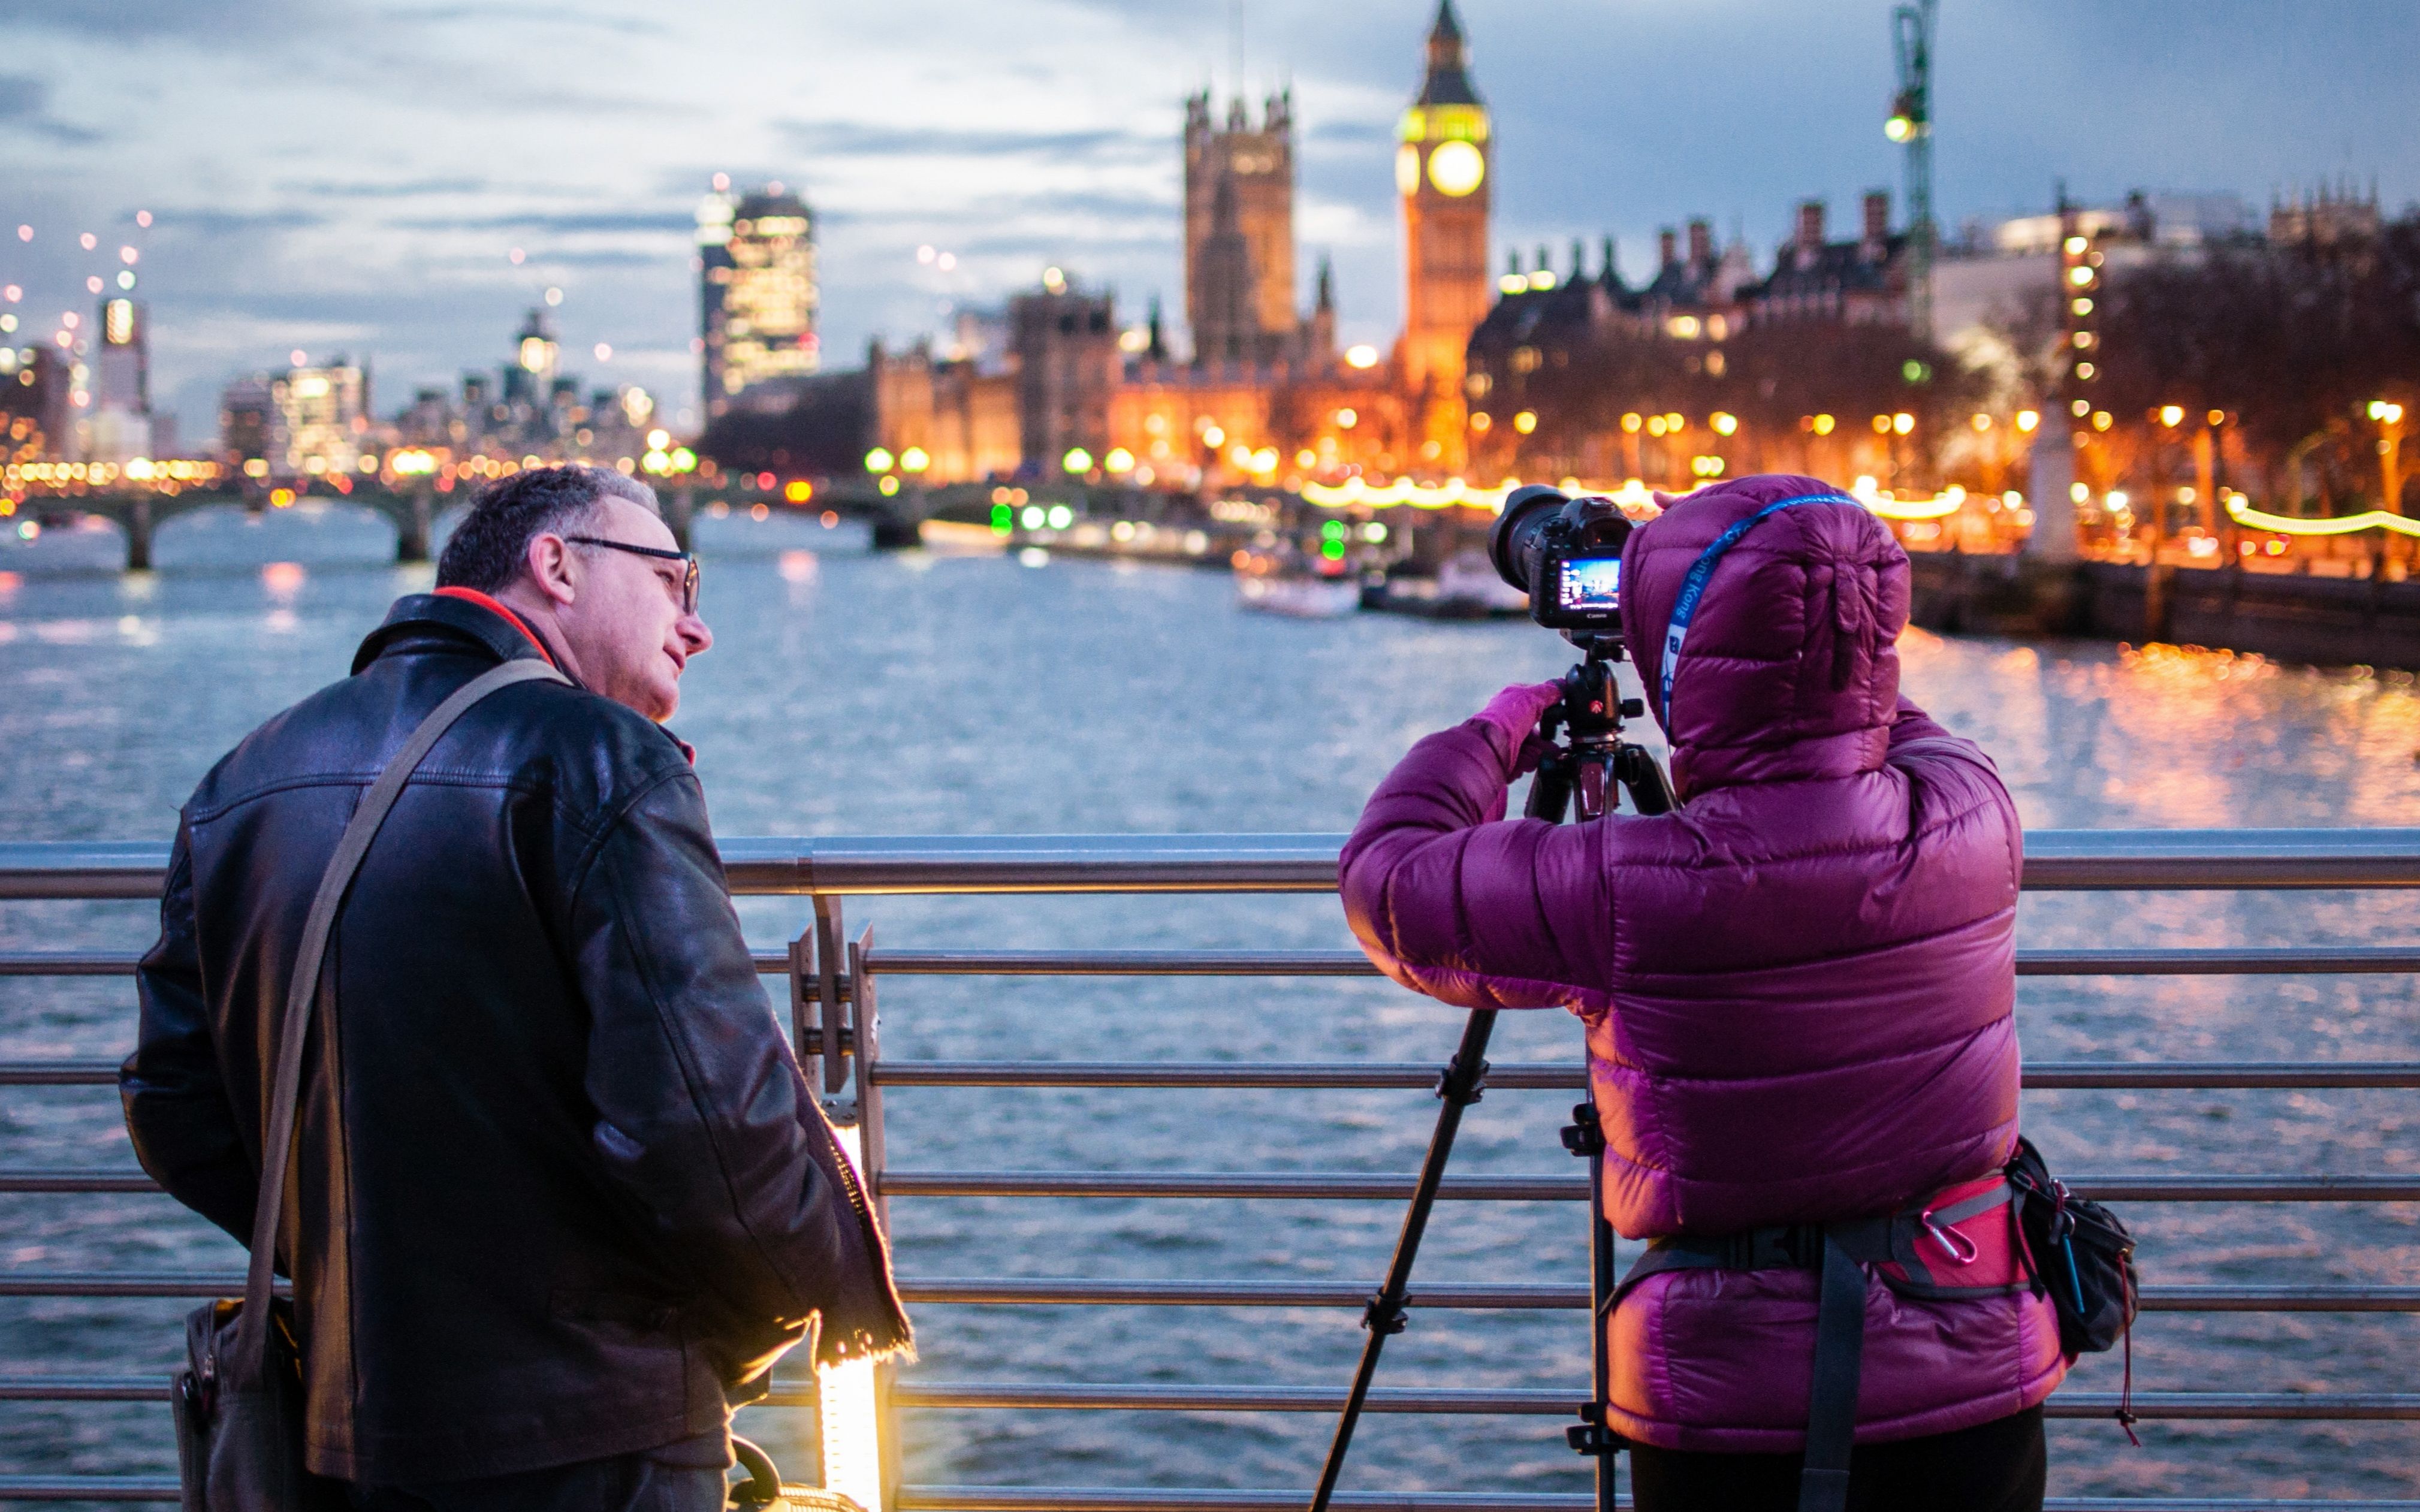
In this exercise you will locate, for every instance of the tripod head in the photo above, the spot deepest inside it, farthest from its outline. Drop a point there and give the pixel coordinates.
(1594, 755)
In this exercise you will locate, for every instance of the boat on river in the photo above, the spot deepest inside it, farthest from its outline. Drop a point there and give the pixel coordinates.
(1295, 585)
(1467, 587)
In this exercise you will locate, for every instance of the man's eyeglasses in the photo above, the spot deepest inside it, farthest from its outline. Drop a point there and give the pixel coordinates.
(689, 579)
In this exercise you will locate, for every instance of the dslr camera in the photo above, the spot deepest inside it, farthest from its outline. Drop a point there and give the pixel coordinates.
(1566, 554)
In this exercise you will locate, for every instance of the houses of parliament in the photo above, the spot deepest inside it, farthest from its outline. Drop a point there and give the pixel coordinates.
(1264, 395)
(1057, 385)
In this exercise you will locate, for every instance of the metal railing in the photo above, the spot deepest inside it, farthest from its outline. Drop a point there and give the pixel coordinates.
(832, 982)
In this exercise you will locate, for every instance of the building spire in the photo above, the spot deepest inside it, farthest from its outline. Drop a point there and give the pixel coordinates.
(1448, 80)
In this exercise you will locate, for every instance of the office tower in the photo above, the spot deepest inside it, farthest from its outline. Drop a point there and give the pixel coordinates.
(1441, 170)
(756, 294)
(536, 354)
(1239, 230)
(320, 420)
(125, 357)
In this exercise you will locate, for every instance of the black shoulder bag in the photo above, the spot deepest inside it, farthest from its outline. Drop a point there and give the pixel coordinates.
(238, 1400)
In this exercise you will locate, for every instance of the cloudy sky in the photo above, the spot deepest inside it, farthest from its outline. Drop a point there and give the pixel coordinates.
(352, 177)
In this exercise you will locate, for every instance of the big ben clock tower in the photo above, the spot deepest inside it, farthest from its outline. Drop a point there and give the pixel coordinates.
(1441, 169)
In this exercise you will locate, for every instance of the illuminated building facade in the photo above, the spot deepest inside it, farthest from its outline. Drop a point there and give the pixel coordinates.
(33, 402)
(756, 294)
(319, 421)
(537, 357)
(1239, 231)
(1065, 343)
(962, 417)
(1441, 173)
(125, 357)
(118, 428)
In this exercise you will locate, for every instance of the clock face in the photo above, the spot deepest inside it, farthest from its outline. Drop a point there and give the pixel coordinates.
(1407, 169)
(1456, 168)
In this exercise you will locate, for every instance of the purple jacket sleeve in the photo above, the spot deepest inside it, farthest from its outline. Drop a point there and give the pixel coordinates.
(1472, 912)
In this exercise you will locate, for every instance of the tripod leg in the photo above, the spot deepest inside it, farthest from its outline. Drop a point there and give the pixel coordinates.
(1584, 1138)
(1457, 1089)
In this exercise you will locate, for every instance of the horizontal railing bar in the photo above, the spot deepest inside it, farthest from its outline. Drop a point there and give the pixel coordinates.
(2266, 961)
(1119, 1397)
(152, 1388)
(2207, 1076)
(2046, 1075)
(89, 1489)
(2204, 1075)
(59, 1074)
(2251, 961)
(1094, 1499)
(1354, 1185)
(1099, 1499)
(125, 1283)
(2054, 860)
(1349, 1185)
(1086, 1292)
(1549, 1297)
(69, 963)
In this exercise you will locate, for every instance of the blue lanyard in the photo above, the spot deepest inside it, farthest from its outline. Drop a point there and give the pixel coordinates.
(1693, 587)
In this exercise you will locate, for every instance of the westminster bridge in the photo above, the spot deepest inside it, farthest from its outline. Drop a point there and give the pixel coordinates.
(140, 513)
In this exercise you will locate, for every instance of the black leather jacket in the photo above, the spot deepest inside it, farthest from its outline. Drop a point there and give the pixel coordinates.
(560, 1186)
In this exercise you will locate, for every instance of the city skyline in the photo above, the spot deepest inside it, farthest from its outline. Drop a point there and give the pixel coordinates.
(340, 187)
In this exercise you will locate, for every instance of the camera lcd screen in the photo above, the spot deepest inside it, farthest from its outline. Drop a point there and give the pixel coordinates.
(1588, 584)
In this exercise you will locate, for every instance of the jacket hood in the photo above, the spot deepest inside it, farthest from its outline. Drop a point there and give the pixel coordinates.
(1790, 665)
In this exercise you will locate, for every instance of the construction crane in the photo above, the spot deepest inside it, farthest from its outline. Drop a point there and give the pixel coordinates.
(1910, 124)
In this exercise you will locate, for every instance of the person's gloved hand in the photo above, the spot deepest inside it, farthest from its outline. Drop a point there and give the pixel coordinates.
(1512, 717)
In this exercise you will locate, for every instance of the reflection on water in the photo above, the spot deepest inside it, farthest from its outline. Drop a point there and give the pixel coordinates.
(933, 694)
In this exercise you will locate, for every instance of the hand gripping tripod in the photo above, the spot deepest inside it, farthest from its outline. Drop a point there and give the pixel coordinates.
(1590, 762)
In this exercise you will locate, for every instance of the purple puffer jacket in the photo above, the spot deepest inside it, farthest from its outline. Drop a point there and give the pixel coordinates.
(1798, 988)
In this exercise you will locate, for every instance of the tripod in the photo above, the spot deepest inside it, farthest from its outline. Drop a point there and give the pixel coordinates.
(1592, 760)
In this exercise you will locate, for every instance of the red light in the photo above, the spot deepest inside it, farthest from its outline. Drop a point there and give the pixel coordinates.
(764, 479)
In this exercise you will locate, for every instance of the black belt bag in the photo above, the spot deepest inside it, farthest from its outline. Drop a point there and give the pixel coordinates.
(2022, 1232)
(238, 1400)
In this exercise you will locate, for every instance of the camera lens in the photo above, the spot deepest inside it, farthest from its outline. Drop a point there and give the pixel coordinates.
(1517, 539)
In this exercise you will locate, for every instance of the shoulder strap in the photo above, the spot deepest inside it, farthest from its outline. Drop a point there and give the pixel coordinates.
(250, 1351)
(1839, 1360)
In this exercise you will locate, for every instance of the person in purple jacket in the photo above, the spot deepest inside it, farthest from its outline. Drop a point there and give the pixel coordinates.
(1798, 992)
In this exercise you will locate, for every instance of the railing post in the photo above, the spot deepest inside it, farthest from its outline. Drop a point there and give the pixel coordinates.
(832, 952)
(865, 1025)
(852, 1399)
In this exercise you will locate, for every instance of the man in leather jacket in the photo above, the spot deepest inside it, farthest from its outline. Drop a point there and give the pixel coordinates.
(560, 1194)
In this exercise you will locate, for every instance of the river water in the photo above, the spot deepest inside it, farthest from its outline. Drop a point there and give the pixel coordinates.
(913, 694)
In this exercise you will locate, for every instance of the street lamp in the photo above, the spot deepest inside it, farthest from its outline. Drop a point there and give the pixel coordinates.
(2389, 416)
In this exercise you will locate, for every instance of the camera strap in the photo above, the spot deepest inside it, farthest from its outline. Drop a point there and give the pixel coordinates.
(1693, 587)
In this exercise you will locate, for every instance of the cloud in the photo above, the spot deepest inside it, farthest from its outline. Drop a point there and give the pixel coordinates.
(563, 222)
(860, 139)
(402, 189)
(580, 15)
(1358, 134)
(24, 103)
(218, 223)
(221, 22)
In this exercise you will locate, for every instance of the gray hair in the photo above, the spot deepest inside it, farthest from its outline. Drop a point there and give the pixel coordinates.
(488, 548)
